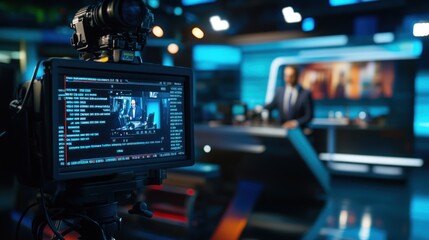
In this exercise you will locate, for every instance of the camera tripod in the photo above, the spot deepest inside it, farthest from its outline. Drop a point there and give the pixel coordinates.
(85, 222)
(86, 211)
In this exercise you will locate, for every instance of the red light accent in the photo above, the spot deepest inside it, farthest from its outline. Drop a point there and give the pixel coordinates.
(71, 236)
(155, 187)
(171, 217)
(190, 192)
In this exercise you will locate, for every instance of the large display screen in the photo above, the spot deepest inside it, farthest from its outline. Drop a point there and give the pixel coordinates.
(349, 80)
(108, 118)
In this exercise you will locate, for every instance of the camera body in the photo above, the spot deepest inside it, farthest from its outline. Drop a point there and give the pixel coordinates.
(112, 28)
(79, 123)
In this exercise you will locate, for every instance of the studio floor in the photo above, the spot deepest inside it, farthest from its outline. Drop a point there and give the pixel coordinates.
(355, 208)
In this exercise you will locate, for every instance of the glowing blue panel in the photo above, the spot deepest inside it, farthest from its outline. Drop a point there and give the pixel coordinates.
(153, 107)
(324, 41)
(395, 51)
(308, 24)
(386, 37)
(422, 83)
(196, 2)
(254, 72)
(215, 56)
(421, 117)
(167, 60)
(419, 210)
(335, 3)
(421, 111)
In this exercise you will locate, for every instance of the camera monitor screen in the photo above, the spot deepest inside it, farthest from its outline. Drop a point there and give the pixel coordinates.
(111, 118)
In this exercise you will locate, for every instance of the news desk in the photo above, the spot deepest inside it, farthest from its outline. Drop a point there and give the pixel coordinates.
(257, 140)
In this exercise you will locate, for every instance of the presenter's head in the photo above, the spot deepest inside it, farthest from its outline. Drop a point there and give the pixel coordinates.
(290, 75)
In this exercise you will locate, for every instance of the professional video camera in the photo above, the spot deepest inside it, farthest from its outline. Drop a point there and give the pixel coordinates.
(92, 133)
(112, 29)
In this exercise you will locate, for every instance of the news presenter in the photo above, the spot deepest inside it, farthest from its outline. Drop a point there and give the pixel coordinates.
(135, 112)
(294, 103)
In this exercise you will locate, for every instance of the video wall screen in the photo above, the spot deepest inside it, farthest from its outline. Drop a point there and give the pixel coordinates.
(349, 80)
(383, 88)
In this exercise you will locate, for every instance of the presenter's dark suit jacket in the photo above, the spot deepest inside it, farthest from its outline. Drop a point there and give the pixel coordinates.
(302, 110)
(138, 113)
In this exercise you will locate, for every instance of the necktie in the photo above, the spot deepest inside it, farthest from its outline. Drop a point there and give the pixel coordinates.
(289, 105)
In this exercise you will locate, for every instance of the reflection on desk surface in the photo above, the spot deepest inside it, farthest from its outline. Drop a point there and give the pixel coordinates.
(331, 121)
(262, 131)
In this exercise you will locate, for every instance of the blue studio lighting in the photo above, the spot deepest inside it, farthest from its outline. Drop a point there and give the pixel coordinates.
(153, 3)
(210, 57)
(178, 11)
(195, 2)
(336, 3)
(308, 24)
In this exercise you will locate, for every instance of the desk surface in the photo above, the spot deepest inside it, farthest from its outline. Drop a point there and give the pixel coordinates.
(261, 131)
(330, 121)
(251, 139)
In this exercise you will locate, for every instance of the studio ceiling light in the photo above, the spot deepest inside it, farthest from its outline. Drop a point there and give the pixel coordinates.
(197, 32)
(219, 24)
(290, 15)
(421, 29)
